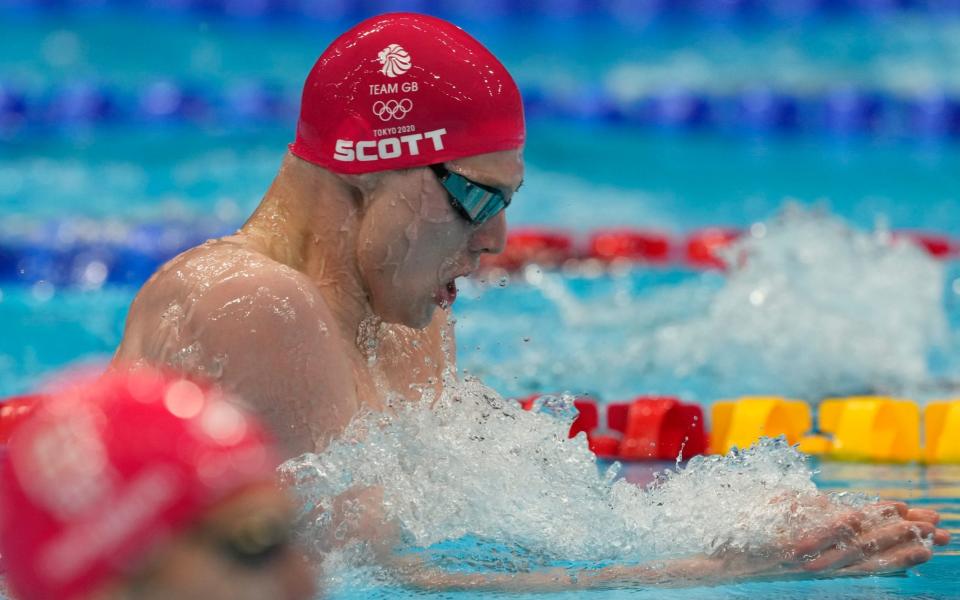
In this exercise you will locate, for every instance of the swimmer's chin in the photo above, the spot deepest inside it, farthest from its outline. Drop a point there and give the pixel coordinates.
(423, 321)
(442, 299)
(420, 314)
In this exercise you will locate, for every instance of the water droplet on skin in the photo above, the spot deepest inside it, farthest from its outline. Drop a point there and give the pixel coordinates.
(215, 370)
(187, 358)
(368, 338)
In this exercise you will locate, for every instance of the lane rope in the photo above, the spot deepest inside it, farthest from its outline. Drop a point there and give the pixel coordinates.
(85, 254)
(707, 12)
(877, 429)
(842, 112)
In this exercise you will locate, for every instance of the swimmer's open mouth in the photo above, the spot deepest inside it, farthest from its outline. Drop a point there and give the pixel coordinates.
(447, 295)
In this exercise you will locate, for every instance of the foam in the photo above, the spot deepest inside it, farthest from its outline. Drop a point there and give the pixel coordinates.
(810, 308)
(814, 307)
(507, 486)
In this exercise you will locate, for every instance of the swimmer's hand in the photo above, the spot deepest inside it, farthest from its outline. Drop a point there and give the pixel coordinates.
(881, 538)
(885, 537)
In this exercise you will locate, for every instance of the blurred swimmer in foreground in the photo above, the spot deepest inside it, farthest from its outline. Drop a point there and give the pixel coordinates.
(142, 486)
(335, 294)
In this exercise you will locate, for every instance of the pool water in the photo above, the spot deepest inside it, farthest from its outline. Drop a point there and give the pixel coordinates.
(613, 335)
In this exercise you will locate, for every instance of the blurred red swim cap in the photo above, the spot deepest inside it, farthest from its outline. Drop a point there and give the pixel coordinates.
(105, 471)
(406, 90)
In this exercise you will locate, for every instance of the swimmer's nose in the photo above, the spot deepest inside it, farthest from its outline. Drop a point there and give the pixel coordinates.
(491, 237)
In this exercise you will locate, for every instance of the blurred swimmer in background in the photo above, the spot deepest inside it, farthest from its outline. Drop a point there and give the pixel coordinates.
(141, 486)
(334, 297)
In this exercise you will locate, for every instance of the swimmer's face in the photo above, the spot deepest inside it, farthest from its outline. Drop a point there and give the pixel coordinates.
(413, 244)
(240, 551)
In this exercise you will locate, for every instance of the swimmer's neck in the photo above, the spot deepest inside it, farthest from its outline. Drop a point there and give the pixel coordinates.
(309, 220)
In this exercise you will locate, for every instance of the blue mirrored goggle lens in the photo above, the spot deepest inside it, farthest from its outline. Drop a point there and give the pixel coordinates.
(475, 201)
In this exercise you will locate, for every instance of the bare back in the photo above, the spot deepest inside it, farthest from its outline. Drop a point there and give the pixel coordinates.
(266, 332)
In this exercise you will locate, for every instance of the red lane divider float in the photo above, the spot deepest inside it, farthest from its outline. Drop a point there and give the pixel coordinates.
(651, 427)
(588, 417)
(653, 247)
(662, 428)
(526, 246)
(647, 428)
(552, 248)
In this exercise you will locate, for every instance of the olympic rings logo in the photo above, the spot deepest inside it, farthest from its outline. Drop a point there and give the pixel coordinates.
(392, 109)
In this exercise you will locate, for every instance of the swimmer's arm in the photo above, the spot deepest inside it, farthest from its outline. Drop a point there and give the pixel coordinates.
(850, 545)
(676, 573)
(695, 571)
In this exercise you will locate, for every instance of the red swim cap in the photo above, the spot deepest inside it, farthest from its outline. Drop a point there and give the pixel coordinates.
(102, 473)
(406, 90)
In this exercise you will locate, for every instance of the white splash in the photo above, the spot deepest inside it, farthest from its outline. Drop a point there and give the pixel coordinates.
(811, 307)
(814, 306)
(474, 466)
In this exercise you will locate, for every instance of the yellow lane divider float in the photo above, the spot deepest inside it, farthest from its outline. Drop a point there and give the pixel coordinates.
(740, 423)
(942, 427)
(871, 428)
(858, 428)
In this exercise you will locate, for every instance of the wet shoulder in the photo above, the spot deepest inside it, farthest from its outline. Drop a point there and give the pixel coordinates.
(224, 277)
(210, 264)
(217, 280)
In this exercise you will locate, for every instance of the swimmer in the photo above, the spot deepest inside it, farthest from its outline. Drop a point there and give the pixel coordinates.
(143, 486)
(335, 294)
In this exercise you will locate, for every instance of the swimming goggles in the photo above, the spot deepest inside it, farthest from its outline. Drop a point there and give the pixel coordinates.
(476, 202)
